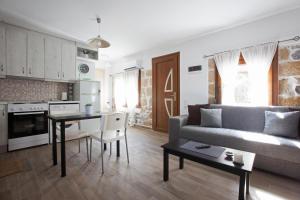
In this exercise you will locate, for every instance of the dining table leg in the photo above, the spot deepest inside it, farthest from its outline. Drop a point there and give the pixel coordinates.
(118, 148)
(63, 149)
(54, 145)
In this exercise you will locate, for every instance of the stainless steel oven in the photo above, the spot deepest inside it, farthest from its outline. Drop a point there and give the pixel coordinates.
(27, 125)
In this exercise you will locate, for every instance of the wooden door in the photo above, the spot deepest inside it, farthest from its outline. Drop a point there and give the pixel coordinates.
(16, 44)
(165, 88)
(36, 55)
(2, 51)
(53, 58)
(68, 52)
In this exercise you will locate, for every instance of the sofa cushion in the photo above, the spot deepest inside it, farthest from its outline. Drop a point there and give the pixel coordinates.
(259, 143)
(245, 118)
(282, 124)
(194, 117)
(211, 118)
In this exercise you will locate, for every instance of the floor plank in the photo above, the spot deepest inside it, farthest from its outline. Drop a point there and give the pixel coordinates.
(141, 179)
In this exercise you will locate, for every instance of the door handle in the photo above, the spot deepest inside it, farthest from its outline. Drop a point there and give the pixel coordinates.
(174, 96)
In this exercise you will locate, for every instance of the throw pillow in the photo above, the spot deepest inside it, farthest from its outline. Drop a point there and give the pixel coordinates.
(296, 109)
(211, 118)
(283, 124)
(194, 117)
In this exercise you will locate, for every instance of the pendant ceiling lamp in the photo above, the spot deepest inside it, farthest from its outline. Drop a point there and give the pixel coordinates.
(98, 42)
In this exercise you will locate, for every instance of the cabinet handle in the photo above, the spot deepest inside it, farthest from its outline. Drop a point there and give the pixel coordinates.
(29, 70)
(23, 70)
(2, 68)
(63, 75)
(58, 74)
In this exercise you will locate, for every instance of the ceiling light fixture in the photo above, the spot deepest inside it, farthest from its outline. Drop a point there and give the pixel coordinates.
(98, 42)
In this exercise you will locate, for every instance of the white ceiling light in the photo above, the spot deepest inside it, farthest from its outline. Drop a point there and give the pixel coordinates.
(98, 42)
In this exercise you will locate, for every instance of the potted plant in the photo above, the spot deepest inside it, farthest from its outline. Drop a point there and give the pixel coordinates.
(88, 108)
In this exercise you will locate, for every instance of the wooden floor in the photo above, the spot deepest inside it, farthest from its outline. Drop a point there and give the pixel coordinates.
(141, 179)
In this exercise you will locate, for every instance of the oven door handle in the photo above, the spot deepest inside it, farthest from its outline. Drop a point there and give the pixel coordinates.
(29, 113)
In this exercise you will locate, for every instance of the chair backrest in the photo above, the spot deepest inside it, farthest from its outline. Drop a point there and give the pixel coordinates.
(114, 121)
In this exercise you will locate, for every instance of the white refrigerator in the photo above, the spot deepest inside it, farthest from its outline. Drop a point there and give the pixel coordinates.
(88, 92)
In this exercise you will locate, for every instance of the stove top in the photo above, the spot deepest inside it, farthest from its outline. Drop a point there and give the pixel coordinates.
(28, 102)
(27, 107)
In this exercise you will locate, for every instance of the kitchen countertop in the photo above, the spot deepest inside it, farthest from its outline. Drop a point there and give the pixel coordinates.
(62, 102)
(48, 102)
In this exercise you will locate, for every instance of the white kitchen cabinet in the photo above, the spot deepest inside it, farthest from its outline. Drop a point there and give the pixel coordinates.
(53, 58)
(3, 128)
(2, 51)
(35, 55)
(68, 51)
(16, 47)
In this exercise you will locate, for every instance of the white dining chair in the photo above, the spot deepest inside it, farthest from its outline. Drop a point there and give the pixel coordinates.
(113, 128)
(75, 134)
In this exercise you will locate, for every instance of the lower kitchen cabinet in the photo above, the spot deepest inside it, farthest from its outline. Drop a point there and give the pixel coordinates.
(3, 129)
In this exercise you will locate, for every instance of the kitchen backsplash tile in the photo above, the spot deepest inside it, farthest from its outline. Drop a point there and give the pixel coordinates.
(30, 90)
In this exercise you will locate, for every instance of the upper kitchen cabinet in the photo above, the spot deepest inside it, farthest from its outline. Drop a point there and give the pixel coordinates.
(16, 47)
(35, 55)
(53, 58)
(68, 51)
(2, 51)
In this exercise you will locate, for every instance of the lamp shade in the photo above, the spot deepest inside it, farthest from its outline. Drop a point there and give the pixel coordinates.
(98, 42)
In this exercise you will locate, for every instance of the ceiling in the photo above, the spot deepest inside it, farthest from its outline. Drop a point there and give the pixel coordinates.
(135, 25)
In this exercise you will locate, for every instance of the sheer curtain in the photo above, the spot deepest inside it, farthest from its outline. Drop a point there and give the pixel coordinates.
(259, 59)
(119, 100)
(131, 84)
(227, 65)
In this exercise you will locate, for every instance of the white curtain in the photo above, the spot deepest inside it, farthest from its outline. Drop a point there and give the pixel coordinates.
(259, 59)
(227, 65)
(131, 87)
(119, 100)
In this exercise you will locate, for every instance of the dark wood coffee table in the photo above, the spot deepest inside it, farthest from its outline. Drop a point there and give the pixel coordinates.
(219, 163)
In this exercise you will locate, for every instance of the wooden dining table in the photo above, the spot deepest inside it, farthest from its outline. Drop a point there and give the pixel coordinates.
(62, 119)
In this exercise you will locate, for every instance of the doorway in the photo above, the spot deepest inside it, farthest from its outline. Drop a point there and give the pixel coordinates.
(165, 89)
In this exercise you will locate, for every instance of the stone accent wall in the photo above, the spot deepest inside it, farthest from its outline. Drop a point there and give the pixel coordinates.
(289, 75)
(30, 90)
(211, 81)
(144, 117)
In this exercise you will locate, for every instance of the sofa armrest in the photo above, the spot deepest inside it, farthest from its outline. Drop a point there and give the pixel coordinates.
(175, 124)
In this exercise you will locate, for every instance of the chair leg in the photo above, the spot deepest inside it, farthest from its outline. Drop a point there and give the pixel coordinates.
(102, 150)
(87, 148)
(79, 145)
(126, 146)
(91, 142)
(110, 144)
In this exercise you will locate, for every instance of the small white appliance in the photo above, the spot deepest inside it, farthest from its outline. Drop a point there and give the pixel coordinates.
(85, 69)
(63, 107)
(88, 92)
(27, 125)
(64, 96)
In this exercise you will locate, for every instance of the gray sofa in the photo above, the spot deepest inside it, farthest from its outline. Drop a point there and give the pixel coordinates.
(242, 129)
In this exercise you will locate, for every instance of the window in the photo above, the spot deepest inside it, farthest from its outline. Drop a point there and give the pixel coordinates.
(244, 89)
(126, 90)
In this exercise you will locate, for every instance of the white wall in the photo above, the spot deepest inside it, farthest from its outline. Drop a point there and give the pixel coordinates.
(194, 87)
